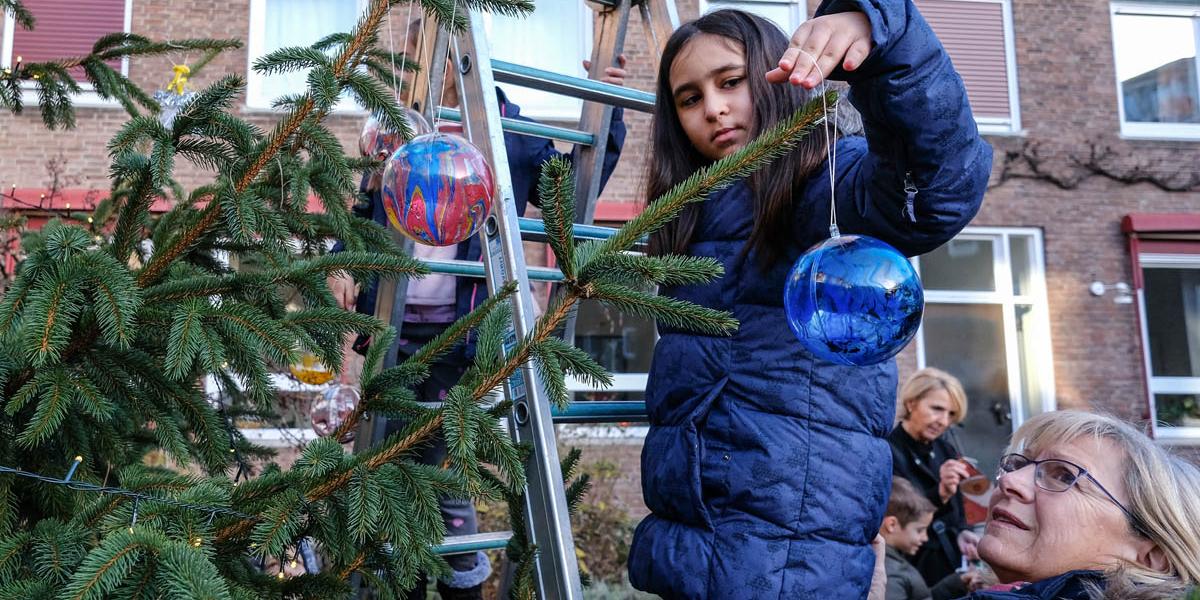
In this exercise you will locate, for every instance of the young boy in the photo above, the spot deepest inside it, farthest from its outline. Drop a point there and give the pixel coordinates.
(904, 530)
(908, 516)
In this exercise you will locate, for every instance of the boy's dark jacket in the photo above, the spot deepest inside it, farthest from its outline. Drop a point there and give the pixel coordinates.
(526, 154)
(920, 464)
(767, 470)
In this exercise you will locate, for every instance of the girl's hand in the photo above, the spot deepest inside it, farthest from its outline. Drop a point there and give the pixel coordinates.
(968, 544)
(842, 38)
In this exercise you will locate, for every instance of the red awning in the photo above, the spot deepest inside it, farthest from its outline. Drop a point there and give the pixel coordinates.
(1161, 223)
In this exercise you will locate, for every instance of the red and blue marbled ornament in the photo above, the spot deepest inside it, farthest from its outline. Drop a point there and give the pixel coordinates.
(437, 189)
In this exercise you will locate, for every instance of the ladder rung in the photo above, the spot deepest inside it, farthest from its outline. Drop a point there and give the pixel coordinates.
(462, 544)
(601, 412)
(585, 232)
(577, 87)
(537, 230)
(563, 134)
(468, 268)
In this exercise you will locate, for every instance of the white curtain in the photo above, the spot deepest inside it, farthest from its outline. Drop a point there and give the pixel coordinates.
(787, 14)
(556, 37)
(301, 23)
(1190, 283)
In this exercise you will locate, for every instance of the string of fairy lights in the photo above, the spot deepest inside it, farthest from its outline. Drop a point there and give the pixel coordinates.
(304, 552)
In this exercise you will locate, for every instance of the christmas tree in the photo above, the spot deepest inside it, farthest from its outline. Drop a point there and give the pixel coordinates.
(109, 326)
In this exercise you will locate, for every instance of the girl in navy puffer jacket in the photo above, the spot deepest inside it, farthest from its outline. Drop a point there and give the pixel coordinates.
(766, 470)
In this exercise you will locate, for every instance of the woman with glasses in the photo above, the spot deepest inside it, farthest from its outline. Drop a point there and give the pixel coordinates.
(931, 401)
(1087, 507)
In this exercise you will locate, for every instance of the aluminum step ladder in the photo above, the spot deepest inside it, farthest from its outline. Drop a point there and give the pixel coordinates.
(533, 419)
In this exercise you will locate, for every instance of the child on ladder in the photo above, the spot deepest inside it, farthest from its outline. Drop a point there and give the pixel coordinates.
(435, 301)
(767, 470)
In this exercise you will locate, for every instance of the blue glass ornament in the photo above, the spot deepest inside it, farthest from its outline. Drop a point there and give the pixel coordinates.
(853, 300)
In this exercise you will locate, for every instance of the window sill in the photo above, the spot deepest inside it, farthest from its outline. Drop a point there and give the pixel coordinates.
(273, 437)
(352, 110)
(88, 98)
(1000, 131)
(1166, 132)
(1178, 436)
(278, 438)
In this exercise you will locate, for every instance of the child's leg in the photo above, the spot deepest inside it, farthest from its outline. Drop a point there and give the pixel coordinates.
(470, 570)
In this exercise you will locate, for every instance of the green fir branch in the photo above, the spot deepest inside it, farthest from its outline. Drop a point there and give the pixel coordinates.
(556, 188)
(667, 271)
(289, 60)
(669, 311)
(771, 144)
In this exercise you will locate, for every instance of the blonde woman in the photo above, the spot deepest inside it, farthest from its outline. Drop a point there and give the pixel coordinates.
(1087, 508)
(931, 401)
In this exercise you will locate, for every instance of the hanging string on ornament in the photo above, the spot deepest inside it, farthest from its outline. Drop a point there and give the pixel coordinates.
(851, 299)
(173, 99)
(438, 189)
(332, 409)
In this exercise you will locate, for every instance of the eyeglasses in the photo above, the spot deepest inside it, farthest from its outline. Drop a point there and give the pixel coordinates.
(1057, 475)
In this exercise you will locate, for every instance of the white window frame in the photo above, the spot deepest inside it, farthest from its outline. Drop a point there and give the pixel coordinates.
(1012, 125)
(799, 8)
(255, 49)
(273, 437)
(1161, 131)
(1168, 434)
(87, 97)
(1036, 298)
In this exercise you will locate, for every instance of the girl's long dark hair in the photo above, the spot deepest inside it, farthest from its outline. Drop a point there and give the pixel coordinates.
(673, 158)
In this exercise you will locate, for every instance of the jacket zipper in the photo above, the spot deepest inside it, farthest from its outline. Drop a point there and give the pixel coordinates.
(910, 196)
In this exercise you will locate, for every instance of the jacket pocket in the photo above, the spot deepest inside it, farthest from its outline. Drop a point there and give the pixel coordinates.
(671, 462)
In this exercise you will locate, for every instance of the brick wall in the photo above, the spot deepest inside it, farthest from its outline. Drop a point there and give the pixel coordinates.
(28, 145)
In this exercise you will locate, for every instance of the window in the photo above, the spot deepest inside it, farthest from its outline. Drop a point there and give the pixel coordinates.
(978, 36)
(556, 37)
(1171, 330)
(986, 321)
(65, 29)
(621, 343)
(276, 24)
(293, 403)
(1157, 72)
(787, 14)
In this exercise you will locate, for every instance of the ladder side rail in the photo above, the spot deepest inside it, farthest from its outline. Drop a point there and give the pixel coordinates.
(660, 20)
(391, 295)
(546, 508)
(588, 161)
